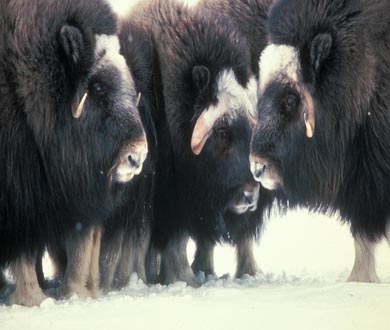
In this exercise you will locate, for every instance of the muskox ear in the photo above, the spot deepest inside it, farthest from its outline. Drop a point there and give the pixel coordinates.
(201, 77)
(71, 40)
(320, 50)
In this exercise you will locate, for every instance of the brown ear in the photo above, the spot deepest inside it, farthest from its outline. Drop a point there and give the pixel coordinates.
(309, 115)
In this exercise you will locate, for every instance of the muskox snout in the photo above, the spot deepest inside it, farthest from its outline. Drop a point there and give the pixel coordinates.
(130, 161)
(246, 199)
(258, 167)
(265, 172)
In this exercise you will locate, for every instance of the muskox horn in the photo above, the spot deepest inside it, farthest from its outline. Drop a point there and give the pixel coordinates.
(309, 115)
(138, 99)
(79, 110)
(203, 127)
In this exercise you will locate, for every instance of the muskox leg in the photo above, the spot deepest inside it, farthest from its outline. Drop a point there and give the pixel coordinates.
(39, 271)
(111, 250)
(174, 263)
(204, 258)
(364, 267)
(57, 254)
(94, 274)
(152, 265)
(246, 262)
(3, 280)
(132, 260)
(79, 252)
(27, 290)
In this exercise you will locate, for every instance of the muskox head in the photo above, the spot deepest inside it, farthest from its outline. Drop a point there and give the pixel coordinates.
(221, 137)
(310, 97)
(102, 114)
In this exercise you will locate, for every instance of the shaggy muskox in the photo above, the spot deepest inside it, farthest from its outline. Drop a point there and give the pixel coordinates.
(126, 234)
(205, 95)
(70, 135)
(249, 17)
(322, 134)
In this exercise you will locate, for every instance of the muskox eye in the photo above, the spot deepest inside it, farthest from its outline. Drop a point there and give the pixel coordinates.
(99, 88)
(291, 102)
(223, 135)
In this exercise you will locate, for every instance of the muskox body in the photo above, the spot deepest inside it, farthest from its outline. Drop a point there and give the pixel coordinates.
(69, 128)
(126, 235)
(250, 17)
(323, 115)
(201, 60)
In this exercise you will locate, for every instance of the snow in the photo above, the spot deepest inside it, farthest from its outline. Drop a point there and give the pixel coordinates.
(305, 258)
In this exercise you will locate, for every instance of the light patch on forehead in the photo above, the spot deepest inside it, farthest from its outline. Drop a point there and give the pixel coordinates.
(107, 55)
(278, 62)
(233, 98)
(107, 52)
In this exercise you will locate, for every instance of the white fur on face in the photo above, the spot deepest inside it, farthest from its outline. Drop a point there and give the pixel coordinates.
(233, 98)
(278, 62)
(107, 55)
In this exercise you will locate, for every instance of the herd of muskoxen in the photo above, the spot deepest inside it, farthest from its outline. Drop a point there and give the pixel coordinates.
(121, 139)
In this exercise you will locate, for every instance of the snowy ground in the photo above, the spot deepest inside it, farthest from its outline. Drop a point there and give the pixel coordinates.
(305, 258)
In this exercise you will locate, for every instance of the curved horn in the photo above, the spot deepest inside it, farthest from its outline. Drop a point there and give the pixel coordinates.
(204, 125)
(79, 110)
(138, 99)
(309, 115)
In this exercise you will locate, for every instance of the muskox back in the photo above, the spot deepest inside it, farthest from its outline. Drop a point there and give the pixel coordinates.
(250, 17)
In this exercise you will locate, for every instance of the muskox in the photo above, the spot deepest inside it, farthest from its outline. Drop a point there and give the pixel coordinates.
(205, 97)
(323, 114)
(126, 234)
(70, 135)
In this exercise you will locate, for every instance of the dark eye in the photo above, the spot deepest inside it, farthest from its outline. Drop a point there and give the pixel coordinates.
(291, 102)
(224, 136)
(99, 88)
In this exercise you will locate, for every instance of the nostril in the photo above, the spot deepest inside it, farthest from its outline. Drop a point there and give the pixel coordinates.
(134, 160)
(259, 170)
(248, 198)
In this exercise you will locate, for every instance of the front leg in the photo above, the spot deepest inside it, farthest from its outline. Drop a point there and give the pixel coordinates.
(204, 258)
(364, 267)
(79, 252)
(111, 250)
(94, 274)
(246, 262)
(27, 290)
(174, 263)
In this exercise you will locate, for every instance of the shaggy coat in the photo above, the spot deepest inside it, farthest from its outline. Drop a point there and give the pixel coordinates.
(193, 192)
(61, 173)
(322, 134)
(126, 235)
(250, 17)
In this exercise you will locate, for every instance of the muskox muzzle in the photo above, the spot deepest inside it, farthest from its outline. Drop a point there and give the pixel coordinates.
(130, 161)
(246, 199)
(265, 172)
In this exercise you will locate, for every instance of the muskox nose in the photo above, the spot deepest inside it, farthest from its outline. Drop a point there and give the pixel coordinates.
(258, 167)
(137, 156)
(135, 160)
(251, 195)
